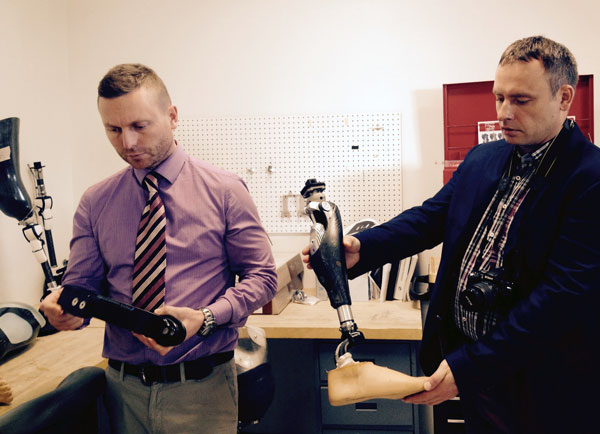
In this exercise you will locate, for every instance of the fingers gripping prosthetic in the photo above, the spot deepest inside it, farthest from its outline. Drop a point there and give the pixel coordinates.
(351, 381)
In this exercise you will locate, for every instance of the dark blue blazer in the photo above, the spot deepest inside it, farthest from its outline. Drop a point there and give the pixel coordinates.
(550, 339)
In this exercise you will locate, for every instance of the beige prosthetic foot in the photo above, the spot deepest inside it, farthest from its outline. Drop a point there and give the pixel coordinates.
(356, 382)
(6, 396)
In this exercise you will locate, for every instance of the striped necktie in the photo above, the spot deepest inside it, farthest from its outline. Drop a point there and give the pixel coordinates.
(150, 251)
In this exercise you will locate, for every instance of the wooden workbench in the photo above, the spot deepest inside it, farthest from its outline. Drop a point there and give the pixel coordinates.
(41, 366)
(393, 320)
(44, 364)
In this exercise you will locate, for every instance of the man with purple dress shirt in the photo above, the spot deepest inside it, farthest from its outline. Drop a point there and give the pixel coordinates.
(213, 233)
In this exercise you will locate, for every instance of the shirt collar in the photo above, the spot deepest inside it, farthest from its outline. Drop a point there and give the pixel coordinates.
(169, 168)
(528, 160)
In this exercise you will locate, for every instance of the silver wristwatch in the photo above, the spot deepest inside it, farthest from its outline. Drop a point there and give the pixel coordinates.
(209, 325)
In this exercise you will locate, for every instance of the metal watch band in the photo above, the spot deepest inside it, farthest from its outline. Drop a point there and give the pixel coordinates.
(209, 325)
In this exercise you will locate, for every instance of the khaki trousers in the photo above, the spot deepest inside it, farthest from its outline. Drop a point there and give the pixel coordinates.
(206, 406)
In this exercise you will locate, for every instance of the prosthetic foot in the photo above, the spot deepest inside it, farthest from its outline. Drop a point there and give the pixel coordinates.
(362, 381)
(14, 200)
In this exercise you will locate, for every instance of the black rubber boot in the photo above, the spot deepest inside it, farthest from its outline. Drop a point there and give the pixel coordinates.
(14, 200)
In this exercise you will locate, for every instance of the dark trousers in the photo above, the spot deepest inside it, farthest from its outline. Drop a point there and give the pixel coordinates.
(502, 409)
(486, 412)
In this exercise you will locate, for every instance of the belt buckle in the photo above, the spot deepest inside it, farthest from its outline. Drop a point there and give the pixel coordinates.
(143, 376)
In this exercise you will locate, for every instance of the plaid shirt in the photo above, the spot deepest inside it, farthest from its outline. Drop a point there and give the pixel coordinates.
(486, 249)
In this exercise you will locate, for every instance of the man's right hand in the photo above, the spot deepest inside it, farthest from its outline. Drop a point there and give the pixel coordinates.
(351, 246)
(56, 316)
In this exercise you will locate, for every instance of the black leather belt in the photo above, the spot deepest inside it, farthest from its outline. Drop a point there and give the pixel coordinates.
(194, 370)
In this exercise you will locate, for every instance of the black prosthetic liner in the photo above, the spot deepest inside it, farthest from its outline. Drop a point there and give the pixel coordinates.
(14, 200)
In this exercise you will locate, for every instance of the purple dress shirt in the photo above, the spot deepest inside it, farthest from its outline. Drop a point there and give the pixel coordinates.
(213, 233)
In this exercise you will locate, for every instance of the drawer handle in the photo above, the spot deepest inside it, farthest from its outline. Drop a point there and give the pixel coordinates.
(365, 406)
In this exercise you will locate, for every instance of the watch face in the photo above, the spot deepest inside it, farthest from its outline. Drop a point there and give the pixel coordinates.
(209, 324)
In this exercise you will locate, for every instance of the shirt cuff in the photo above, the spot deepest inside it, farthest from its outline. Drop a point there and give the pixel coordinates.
(222, 311)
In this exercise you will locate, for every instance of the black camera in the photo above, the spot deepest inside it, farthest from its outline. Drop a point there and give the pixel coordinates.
(487, 291)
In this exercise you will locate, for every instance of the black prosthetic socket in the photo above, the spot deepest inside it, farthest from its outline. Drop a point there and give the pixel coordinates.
(14, 200)
(329, 261)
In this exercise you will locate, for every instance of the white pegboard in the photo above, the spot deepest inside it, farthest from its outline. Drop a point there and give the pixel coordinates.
(358, 156)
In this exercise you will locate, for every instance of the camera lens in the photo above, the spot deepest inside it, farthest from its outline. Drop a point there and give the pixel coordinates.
(478, 297)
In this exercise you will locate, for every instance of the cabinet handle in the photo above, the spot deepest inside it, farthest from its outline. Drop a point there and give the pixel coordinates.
(365, 406)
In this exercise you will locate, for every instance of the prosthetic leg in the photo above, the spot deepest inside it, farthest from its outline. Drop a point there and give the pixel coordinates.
(14, 200)
(328, 260)
(351, 381)
(15, 203)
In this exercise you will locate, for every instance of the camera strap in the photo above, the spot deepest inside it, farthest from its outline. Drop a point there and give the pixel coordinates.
(544, 166)
(551, 155)
(537, 183)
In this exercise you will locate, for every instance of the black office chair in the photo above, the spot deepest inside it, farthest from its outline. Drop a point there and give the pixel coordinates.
(70, 408)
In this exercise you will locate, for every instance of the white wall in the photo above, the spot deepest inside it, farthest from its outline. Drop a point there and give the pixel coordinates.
(34, 86)
(274, 57)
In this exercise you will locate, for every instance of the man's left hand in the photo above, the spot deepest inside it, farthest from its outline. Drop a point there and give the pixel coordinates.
(439, 387)
(190, 318)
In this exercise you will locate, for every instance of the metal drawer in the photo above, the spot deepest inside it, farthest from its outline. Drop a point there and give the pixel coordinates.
(378, 412)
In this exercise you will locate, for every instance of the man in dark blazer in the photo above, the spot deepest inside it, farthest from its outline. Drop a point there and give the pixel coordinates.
(526, 207)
